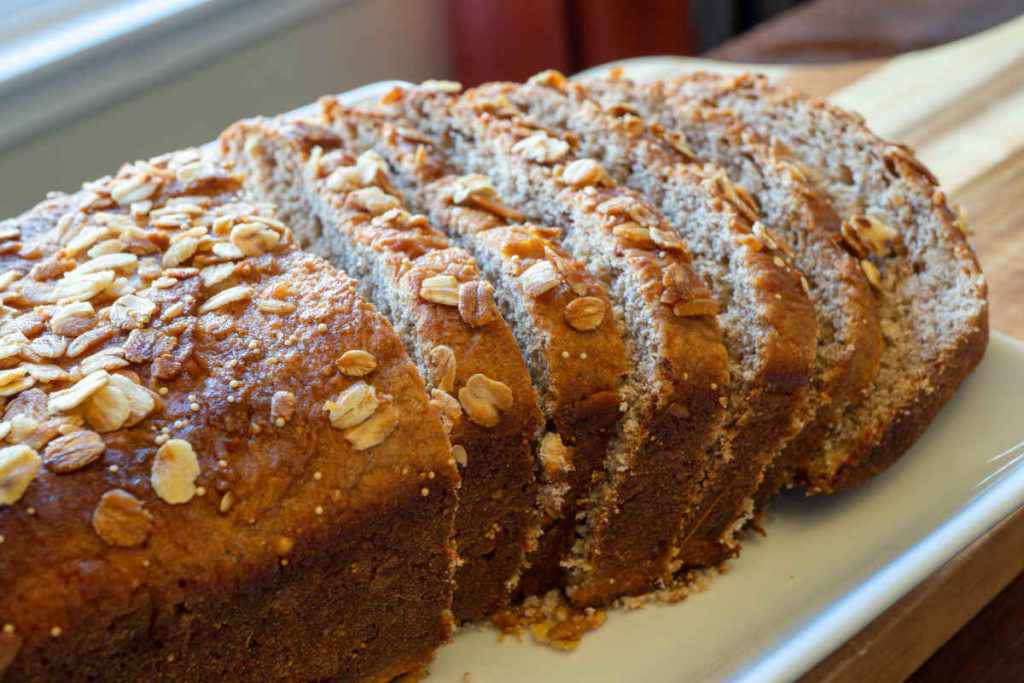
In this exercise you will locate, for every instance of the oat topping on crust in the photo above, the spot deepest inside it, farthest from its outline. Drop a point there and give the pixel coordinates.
(174, 472)
(121, 519)
(356, 363)
(18, 467)
(484, 399)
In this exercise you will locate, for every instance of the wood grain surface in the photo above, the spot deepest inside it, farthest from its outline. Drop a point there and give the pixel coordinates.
(961, 106)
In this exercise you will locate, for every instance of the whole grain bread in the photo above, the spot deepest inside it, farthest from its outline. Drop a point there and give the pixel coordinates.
(345, 206)
(931, 295)
(767, 318)
(673, 397)
(175, 501)
(848, 328)
(561, 315)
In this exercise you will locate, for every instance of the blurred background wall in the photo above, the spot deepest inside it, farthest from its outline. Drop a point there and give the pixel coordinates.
(341, 46)
(179, 80)
(336, 45)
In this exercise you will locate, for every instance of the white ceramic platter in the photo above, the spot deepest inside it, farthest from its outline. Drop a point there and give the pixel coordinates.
(827, 567)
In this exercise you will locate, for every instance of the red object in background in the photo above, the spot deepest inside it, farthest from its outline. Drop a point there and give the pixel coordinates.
(513, 39)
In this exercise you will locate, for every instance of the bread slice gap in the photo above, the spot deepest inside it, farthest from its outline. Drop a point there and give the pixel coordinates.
(561, 314)
(674, 395)
(849, 338)
(191, 510)
(931, 296)
(768, 322)
(343, 206)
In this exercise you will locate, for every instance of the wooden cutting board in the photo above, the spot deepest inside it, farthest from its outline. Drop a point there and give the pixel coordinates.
(961, 106)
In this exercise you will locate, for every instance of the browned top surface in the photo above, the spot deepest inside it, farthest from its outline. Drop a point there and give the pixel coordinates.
(415, 252)
(213, 387)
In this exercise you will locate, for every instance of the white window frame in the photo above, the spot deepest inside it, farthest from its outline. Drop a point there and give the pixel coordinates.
(91, 53)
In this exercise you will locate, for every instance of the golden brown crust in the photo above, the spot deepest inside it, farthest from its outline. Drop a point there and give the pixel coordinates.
(300, 494)
(493, 524)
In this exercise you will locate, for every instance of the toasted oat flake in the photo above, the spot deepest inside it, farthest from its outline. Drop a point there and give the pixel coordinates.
(373, 200)
(476, 303)
(868, 235)
(448, 409)
(86, 341)
(374, 430)
(356, 363)
(11, 344)
(254, 239)
(131, 312)
(440, 289)
(179, 252)
(666, 239)
(550, 78)
(121, 519)
(871, 273)
(141, 401)
(216, 274)
(73, 451)
(75, 395)
(473, 186)
(228, 296)
(45, 373)
(12, 375)
(107, 409)
(174, 472)
(584, 172)
(226, 250)
(634, 235)
(539, 278)
(585, 313)
(484, 398)
(18, 468)
(275, 306)
(122, 261)
(134, 189)
(542, 148)
(441, 360)
(352, 406)
(441, 86)
(81, 288)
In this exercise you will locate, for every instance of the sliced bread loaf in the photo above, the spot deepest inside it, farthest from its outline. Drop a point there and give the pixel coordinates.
(673, 398)
(931, 295)
(767, 318)
(849, 340)
(345, 208)
(560, 313)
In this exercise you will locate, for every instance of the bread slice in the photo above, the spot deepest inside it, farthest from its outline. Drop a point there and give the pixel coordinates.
(673, 398)
(849, 339)
(434, 295)
(560, 313)
(767, 318)
(175, 501)
(931, 294)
